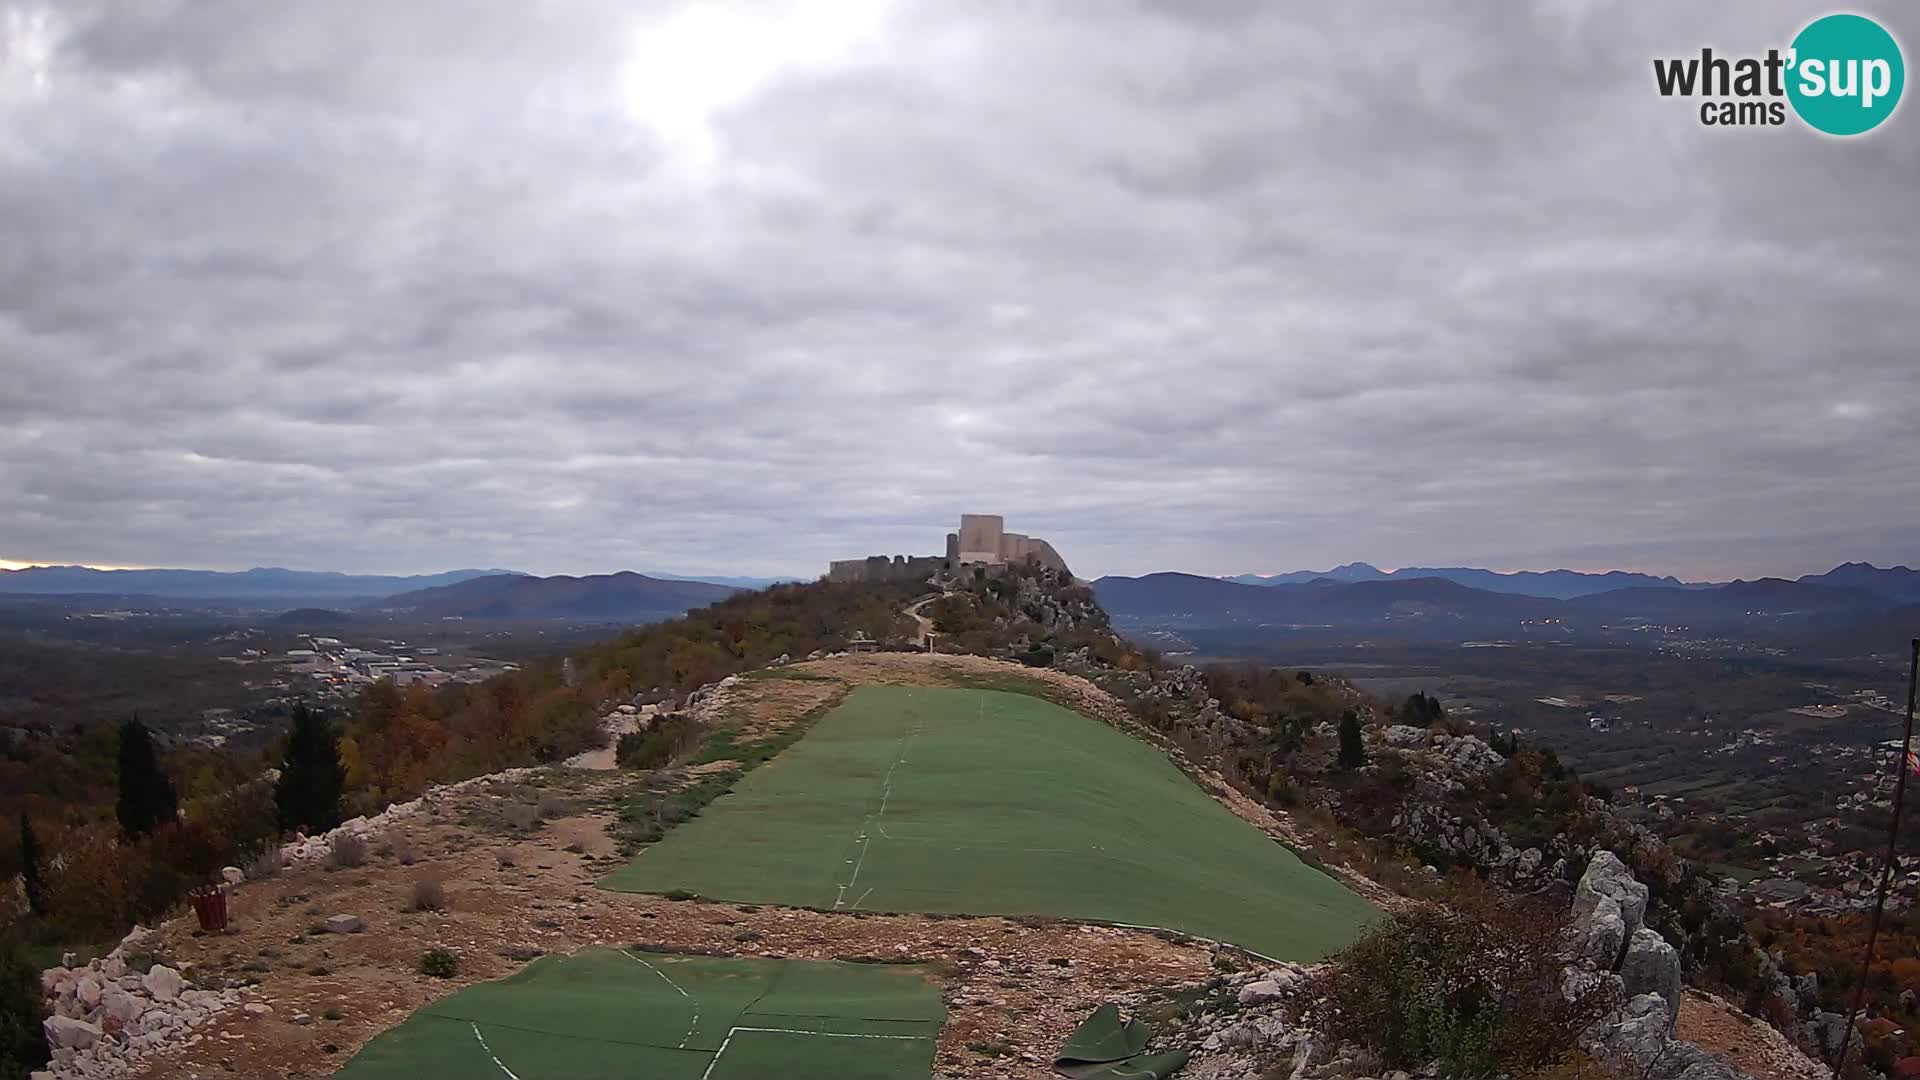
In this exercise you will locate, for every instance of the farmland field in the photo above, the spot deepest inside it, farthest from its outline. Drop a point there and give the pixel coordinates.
(992, 803)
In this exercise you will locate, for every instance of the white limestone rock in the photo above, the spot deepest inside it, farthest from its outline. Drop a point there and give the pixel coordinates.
(1609, 905)
(122, 1006)
(163, 983)
(67, 1033)
(1405, 736)
(1652, 967)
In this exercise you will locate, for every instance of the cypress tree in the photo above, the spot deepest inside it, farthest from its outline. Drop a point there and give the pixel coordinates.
(147, 799)
(1353, 753)
(312, 777)
(30, 870)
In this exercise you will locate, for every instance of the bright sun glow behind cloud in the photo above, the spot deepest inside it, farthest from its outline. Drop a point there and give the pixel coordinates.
(11, 564)
(708, 58)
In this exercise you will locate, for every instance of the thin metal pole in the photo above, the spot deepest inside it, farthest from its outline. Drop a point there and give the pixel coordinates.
(1886, 877)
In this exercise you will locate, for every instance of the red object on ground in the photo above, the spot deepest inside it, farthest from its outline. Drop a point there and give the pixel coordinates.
(210, 905)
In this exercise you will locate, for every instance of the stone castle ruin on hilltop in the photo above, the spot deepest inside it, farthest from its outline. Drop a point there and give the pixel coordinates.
(983, 541)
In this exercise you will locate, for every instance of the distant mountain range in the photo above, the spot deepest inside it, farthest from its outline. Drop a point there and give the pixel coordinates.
(260, 583)
(1553, 584)
(625, 595)
(750, 583)
(1898, 582)
(1848, 592)
(266, 585)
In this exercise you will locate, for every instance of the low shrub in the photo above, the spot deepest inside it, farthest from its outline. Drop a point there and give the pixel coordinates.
(1473, 983)
(439, 964)
(428, 895)
(23, 1044)
(670, 738)
(264, 865)
(347, 851)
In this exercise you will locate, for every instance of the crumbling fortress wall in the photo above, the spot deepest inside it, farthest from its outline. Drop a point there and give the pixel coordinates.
(882, 568)
(982, 540)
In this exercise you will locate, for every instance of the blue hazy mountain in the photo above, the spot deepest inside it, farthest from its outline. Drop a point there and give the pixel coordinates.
(1899, 582)
(750, 583)
(1551, 584)
(613, 596)
(259, 583)
(1434, 601)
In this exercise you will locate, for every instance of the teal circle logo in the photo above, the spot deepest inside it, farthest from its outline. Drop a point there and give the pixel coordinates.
(1846, 74)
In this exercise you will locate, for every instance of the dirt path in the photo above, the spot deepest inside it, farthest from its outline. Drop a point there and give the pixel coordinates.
(603, 759)
(925, 624)
(1756, 1047)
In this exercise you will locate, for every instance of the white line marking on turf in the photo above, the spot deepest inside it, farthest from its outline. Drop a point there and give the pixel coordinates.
(830, 1034)
(731, 1032)
(874, 819)
(489, 1050)
(688, 1037)
(862, 900)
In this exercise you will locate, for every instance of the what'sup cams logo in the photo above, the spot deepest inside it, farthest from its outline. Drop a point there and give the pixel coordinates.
(1842, 76)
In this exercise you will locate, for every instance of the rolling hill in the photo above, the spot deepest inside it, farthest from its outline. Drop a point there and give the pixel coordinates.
(511, 596)
(1190, 600)
(1898, 582)
(1550, 584)
(1199, 600)
(259, 583)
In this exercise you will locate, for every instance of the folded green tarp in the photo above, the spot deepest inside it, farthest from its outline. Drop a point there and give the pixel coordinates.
(1104, 1047)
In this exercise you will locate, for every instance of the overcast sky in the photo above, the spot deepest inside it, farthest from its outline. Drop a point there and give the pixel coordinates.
(1218, 287)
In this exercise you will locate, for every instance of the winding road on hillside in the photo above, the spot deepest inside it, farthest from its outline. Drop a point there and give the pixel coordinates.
(925, 623)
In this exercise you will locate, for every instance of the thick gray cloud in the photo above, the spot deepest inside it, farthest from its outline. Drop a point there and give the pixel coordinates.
(579, 286)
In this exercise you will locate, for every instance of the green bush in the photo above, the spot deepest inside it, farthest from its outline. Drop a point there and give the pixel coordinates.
(23, 1042)
(439, 964)
(1473, 983)
(671, 737)
(1280, 790)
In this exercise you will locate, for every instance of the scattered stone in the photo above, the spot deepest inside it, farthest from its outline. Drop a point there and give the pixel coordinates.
(257, 1008)
(162, 982)
(123, 1007)
(344, 924)
(232, 875)
(69, 1033)
(301, 1019)
(1261, 992)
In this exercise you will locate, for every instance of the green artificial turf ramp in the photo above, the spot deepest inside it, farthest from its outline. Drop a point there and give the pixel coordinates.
(1104, 1047)
(655, 1016)
(992, 803)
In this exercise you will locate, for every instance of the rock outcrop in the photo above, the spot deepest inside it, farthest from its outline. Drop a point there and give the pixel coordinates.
(105, 1017)
(1610, 941)
(1652, 966)
(1609, 907)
